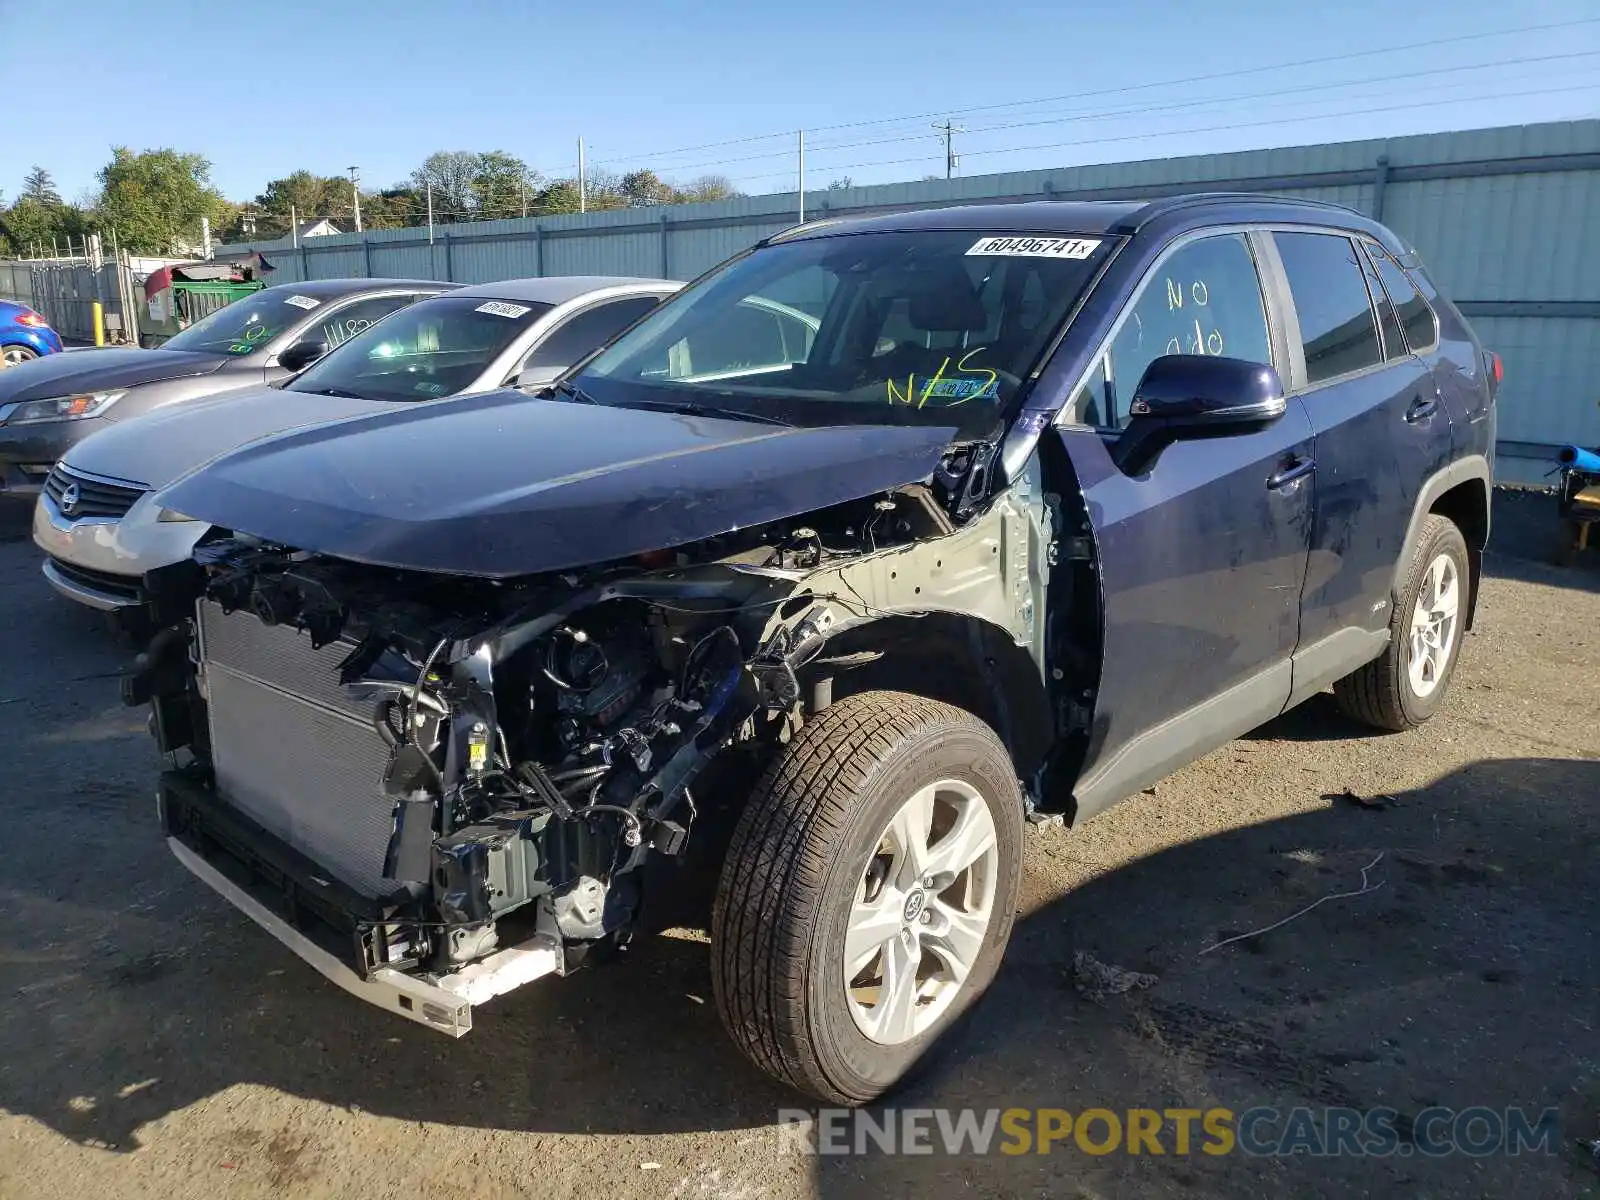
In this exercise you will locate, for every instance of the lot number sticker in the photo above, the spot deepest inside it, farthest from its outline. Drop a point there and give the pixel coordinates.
(306, 302)
(501, 309)
(1036, 247)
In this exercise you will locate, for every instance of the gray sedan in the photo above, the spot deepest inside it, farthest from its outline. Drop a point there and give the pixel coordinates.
(57, 401)
(97, 520)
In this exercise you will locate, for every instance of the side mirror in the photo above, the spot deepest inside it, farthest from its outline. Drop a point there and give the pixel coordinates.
(1193, 396)
(302, 354)
(533, 378)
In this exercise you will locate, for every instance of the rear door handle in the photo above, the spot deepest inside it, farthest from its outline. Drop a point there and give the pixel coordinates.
(1421, 407)
(1296, 469)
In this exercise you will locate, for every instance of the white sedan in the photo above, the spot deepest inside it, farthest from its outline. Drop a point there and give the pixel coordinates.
(97, 520)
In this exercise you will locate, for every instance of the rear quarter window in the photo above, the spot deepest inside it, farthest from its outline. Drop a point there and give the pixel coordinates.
(1417, 318)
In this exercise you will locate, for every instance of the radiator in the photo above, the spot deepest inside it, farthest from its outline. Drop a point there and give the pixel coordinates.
(293, 748)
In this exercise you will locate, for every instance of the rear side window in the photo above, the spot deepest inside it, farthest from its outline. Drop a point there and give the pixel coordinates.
(1331, 300)
(589, 330)
(343, 324)
(1416, 317)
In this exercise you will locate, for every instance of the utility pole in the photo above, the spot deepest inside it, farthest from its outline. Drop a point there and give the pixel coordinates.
(355, 191)
(952, 160)
(801, 134)
(430, 212)
(294, 227)
(583, 185)
(522, 191)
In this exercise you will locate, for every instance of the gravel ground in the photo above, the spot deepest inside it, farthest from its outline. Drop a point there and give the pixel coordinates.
(156, 1044)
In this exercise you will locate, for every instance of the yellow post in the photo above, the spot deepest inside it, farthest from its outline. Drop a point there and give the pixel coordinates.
(99, 323)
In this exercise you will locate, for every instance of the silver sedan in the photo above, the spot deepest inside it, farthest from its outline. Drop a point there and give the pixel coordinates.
(97, 520)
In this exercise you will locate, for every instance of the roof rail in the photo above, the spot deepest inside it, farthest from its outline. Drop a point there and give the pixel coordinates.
(1169, 204)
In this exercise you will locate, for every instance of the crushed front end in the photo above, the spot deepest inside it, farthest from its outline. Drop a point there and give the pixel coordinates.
(435, 789)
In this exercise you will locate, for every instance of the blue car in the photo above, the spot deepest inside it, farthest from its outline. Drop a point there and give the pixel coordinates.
(1038, 503)
(24, 335)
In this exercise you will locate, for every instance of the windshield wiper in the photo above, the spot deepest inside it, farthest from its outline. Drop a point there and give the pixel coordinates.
(690, 408)
(333, 391)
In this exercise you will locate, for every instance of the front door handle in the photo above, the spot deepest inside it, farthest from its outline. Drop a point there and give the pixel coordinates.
(1295, 469)
(1421, 408)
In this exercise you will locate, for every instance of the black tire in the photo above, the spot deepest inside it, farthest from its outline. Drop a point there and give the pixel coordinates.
(14, 356)
(790, 878)
(1381, 694)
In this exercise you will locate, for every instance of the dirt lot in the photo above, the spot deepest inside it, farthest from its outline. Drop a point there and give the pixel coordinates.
(155, 1043)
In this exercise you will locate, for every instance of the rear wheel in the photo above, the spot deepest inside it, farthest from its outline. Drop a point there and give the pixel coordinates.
(1405, 685)
(868, 893)
(14, 356)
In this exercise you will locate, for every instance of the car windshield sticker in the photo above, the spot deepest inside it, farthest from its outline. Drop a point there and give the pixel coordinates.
(247, 338)
(306, 302)
(973, 382)
(1036, 247)
(501, 309)
(432, 389)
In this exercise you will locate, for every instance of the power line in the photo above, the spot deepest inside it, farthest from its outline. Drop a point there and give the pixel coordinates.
(1135, 87)
(1107, 114)
(1132, 137)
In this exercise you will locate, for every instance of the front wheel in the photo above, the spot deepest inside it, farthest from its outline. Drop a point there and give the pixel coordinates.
(1405, 685)
(868, 893)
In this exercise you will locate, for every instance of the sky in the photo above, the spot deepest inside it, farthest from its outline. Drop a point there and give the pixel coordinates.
(721, 86)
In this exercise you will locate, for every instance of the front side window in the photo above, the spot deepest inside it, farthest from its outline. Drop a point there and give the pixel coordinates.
(247, 324)
(1204, 298)
(935, 327)
(435, 347)
(1331, 300)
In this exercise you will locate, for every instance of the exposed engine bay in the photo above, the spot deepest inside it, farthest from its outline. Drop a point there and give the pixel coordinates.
(452, 774)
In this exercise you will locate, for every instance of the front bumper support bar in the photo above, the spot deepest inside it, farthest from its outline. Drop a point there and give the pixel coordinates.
(415, 999)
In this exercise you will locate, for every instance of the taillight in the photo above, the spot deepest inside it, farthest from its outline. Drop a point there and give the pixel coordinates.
(29, 317)
(1497, 367)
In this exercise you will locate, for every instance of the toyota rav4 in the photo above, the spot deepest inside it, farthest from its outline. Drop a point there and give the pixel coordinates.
(1030, 505)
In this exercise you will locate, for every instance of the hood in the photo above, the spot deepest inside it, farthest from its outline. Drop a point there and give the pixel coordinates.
(101, 371)
(159, 446)
(499, 484)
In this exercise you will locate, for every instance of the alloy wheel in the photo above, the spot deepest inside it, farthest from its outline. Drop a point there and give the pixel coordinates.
(1434, 622)
(921, 912)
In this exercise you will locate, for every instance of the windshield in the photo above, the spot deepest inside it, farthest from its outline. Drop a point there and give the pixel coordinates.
(436, 347)
(245, 325)
(936, 327)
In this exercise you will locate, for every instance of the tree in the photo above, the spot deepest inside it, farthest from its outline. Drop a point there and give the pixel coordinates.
(394, 208)
(839, 184)
(449, 173)
(30, 226)
(155, 199)
(37, 185)
(500, 186)
(301, 196)
(708, 187)
(557, 196)
(645, 187)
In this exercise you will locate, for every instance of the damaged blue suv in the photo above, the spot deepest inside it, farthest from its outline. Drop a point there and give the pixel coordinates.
(876, 540)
